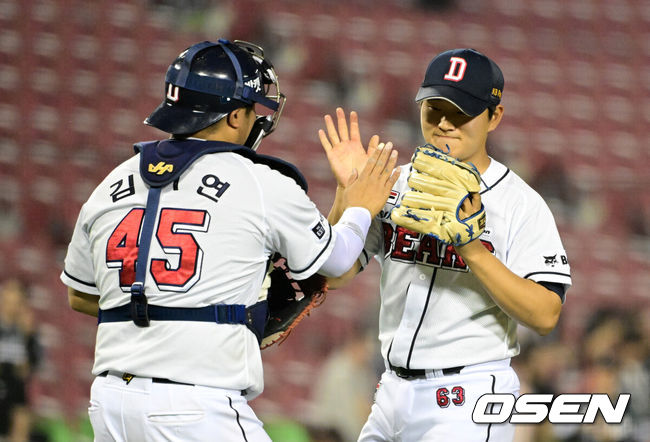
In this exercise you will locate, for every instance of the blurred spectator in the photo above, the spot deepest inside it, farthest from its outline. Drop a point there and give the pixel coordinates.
(344, 388)
(435, 5)
(288, 430)
(182, 5)
(613, 358)
(19, 356)
(552, 182)
(317, 434)
(10, 221)
(637, 220)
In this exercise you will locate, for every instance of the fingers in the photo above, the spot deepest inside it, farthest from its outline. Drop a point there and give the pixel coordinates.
(377, 160)
(395, 175)
(324, 141)
(384, 156)
(331, 130)
(392, 161)
(355, 134)
(341, 133)
(382, 163)
(372, 145)
(385, 167)
(342, 124)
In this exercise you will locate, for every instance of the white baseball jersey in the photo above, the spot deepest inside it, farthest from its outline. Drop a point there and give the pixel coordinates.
(215, 230)
(434, 312)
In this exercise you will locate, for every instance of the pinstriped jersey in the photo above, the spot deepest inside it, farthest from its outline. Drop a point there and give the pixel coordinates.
(434, 312)
(215, 229)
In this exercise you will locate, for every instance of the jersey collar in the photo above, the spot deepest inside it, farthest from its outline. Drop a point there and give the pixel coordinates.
(493, 175)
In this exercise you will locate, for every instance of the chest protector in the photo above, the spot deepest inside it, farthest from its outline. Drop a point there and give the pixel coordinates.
(176, 156)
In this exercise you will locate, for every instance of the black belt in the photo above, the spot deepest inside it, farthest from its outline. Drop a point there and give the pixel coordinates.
(126, 377)
(407, 373)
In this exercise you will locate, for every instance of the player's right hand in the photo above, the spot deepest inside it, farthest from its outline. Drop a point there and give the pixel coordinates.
(370, 188)
(343, 146)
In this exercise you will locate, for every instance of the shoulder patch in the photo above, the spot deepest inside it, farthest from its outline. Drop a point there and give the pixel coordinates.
(556, 259)
(319, 229)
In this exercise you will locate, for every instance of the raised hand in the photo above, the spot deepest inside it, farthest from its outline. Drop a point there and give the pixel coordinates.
(343, 146)
(371, 187)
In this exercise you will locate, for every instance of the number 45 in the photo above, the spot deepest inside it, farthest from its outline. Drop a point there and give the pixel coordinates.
(173, 235)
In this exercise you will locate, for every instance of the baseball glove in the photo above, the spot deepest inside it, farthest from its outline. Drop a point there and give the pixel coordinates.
(289, 301)
(439, 185)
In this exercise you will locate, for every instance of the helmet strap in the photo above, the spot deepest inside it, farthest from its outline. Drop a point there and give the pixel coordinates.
(260, 128)
(181, 77)
(239, 84)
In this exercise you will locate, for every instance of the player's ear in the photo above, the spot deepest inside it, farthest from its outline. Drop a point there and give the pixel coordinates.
(237, 117)
(496, 118)
(234, 118)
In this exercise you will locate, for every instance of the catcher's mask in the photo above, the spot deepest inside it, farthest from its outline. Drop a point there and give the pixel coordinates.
(209, 80)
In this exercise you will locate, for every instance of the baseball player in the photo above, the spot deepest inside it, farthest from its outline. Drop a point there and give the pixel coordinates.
(450, 305)
(171, 250)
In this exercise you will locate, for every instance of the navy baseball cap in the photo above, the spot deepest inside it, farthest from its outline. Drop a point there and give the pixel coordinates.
(464, 77)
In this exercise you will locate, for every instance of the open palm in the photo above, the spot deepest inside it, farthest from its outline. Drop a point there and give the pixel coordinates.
(343, 146)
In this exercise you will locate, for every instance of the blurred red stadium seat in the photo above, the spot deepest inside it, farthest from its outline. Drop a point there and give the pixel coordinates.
(77, 79)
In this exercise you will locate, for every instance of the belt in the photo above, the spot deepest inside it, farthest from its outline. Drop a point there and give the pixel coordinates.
(126, 377)
(407, 373)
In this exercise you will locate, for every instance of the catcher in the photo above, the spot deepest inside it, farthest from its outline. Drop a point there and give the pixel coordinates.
(172, 254)
(467, 252)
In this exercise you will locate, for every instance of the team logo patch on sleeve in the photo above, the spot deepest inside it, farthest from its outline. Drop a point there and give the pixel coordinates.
(319, 230)
(556, 259)
(550, 260)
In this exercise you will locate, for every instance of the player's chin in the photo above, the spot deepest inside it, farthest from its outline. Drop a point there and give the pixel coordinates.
(448, 145)
(440, 142)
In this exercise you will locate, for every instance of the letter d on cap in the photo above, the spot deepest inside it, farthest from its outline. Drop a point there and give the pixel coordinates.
(457, 69)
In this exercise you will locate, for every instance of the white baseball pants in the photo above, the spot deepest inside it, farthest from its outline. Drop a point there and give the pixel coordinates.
(143, 411)
(439, 408)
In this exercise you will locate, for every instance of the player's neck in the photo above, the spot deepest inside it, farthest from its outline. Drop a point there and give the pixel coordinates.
(482, 162)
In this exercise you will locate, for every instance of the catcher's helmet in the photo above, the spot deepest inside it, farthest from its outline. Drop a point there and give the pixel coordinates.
(209, 80)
